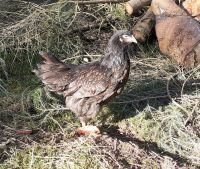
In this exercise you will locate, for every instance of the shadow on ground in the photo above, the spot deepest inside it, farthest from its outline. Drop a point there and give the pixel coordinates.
(151, 92)
(148, 146)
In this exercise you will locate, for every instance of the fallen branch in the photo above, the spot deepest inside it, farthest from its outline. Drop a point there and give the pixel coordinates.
(132, 6)
(98, 1)
(143, 28)
(24, 132)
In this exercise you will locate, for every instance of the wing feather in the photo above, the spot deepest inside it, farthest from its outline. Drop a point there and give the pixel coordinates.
(80, 81)
(90, 81)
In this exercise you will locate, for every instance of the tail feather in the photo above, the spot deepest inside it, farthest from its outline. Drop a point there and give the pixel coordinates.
(51, 72)
(48, 57)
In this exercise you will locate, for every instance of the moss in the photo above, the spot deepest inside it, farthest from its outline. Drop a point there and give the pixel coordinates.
(144, 126)
(119, 12)
(74, 155)
(27, 158)
(36, 96)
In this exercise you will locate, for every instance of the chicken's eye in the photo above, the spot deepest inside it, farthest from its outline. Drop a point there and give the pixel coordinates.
(125, 36)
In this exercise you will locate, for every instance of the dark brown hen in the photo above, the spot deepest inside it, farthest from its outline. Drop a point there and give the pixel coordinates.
(87, 87)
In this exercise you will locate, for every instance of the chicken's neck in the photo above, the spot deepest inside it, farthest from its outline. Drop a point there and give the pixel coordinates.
(115, 56)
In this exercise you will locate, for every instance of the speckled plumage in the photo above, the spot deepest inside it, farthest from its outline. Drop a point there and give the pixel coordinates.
(87, 87)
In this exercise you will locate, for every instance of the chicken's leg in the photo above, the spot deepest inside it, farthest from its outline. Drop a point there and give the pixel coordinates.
(88, 129)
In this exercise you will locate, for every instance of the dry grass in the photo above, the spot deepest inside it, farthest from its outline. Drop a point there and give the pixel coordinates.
(153, 124)
(57, 27)
(39, 29)
(170, 116)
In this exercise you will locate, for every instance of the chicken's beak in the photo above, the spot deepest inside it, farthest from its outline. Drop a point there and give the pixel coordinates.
(133, 39)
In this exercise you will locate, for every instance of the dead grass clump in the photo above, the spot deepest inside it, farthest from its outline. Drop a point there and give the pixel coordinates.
(40, 29)
(179, 123)
(59, 27)
(167, 112)
(74, 153)
(79, 153)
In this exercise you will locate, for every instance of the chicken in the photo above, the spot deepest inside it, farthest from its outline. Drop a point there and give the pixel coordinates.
(88, 86)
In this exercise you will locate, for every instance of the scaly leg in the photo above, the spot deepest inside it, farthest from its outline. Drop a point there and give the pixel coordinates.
(83, 123)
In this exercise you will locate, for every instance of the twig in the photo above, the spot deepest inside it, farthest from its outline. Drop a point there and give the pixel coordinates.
(189, 76)
(181, 107)
(167, 87)
(98, 1)
(193, 111)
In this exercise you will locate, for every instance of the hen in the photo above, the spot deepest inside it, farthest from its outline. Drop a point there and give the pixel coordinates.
(88, 86)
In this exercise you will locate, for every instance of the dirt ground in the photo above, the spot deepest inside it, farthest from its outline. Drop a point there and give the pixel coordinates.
(154, 123)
